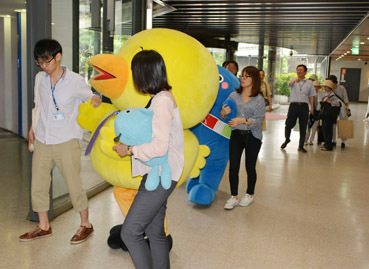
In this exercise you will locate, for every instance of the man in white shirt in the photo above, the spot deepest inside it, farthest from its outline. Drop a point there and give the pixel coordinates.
(301, 96)
(55, 138)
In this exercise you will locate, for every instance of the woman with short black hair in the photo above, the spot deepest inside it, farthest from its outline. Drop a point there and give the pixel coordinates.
(147, 212)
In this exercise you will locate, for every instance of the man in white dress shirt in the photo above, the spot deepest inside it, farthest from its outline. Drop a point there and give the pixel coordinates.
(301, 96)
(55, 138)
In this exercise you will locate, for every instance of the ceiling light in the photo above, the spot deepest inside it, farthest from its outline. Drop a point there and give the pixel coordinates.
(359, 59)
(20, 10)
(362, 43)
(348, 51)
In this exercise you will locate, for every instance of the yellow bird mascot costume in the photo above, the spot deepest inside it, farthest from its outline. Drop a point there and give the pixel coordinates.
(193, 74)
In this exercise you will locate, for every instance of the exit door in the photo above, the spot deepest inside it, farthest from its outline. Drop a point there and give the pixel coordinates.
(350, 78)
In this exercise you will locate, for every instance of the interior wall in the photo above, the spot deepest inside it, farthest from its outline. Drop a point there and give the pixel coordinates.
(364, 80)
(62, 28)
(25, 91)
(8, 74)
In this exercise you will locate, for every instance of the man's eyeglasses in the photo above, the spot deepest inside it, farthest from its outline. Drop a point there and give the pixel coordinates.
(43, 63)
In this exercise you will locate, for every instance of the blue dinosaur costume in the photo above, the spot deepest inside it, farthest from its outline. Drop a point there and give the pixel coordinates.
(133, 127)
(215, 133)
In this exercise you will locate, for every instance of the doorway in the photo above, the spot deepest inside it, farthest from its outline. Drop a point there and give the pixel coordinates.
(350, 78)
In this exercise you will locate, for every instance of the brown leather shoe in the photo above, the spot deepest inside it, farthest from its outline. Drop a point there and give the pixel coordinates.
(82, 234)
(35, 234)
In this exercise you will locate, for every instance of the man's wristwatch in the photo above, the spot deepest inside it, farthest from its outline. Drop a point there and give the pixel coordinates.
(129, 150)
(246, 121)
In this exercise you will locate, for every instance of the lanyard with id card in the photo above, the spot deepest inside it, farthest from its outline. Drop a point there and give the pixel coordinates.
(56, 116)
(301, 84)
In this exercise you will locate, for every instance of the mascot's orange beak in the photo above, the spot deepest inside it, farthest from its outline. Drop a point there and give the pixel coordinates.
(113, 74)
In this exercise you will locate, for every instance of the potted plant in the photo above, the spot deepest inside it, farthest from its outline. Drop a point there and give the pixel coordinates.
(282, 91)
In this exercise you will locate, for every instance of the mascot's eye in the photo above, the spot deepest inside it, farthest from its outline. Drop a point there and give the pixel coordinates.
(221, 79)
(128, 111)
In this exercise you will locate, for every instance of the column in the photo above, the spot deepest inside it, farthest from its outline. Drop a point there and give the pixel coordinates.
(38, 27)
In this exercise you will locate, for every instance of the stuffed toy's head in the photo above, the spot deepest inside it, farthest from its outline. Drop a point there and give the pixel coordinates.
(191, 71)
(133, 126)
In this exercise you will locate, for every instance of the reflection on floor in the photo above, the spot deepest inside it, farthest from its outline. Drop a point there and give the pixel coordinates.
(310, 211)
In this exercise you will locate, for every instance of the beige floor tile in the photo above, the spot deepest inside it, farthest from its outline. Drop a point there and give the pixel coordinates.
(310, 211)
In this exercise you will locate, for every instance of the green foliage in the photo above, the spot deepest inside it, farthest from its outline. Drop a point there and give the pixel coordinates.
(219, 57)
(86, 49)
(119, 40)
(281, 83)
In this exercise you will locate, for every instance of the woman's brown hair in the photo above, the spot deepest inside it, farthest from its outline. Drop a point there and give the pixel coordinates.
(253, 72)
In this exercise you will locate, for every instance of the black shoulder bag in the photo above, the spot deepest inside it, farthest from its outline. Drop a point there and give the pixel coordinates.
(348, 111)
(329, 112)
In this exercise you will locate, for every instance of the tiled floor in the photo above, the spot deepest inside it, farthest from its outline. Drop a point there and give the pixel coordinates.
(310, 211)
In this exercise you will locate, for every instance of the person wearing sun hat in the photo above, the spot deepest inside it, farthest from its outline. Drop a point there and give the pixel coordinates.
(313, 77)
(315, 117)
(327, 124)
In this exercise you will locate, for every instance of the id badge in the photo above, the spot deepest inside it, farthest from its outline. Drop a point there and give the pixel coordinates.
(58, 116)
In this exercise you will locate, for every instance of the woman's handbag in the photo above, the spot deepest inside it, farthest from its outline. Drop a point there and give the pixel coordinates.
(329, 112)
(345, 129)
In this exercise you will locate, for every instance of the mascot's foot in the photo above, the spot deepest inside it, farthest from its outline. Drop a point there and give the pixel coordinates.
(114, 239)
(191, 183)
(201, 194)
(115, 228)
(116, 242)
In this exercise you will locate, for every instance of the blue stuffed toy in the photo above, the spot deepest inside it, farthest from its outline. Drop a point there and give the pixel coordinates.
(133, 127)
(215, 133)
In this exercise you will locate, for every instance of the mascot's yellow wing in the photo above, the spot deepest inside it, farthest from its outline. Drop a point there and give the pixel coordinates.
(204, 151)
(89, 116)
(191, 151)
(107, 141)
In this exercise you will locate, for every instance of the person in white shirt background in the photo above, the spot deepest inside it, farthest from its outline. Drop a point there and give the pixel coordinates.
(301, 97)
